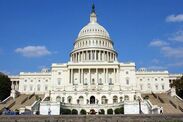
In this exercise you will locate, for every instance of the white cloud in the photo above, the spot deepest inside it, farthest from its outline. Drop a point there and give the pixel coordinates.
(172, 52)
(156, 68)
(158, 43)
(176, 64)
(33, 51)
(175, 18)
(155, 61)
(178, 36)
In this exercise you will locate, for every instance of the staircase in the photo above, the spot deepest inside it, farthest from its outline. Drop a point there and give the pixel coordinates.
(21, 101)
(170, 104)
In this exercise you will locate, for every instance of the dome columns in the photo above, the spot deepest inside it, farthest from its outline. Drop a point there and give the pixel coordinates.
(93, 55)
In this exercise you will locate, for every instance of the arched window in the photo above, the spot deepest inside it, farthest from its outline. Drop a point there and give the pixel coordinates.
(38, 87)
(59, 81)
(126, 97)
(81, 99)
(148, 85)
(163, 87)
(58, 99)
(30, 87)
(69, 99)
(121, 99)
(104, 100)
(156, 86)
(127, 81)
(25, 88)
(100, 81)
(115, 99)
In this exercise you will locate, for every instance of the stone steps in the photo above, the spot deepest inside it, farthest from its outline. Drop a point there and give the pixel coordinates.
(168, 108)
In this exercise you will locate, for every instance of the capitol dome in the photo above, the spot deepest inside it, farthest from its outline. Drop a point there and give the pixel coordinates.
(93, 43)
(93, 28)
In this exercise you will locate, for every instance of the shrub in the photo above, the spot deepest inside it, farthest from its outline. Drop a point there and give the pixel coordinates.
(65, 111)
(121, 110)
(146, 97)
(83, 112)
(74, 112)
(109, 111)
(117, 111)
(101, 111)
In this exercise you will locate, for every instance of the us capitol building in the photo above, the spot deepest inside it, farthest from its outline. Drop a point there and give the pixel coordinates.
(92, 79)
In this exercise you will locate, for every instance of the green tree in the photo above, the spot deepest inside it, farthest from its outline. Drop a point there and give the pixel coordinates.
(5, 86)
(83, 112)
(178, 84)
(121, 110)
(109, 111)
(117, 111)
(74, 112)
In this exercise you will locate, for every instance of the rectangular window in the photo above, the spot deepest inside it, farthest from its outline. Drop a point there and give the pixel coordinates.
(30, 88)
(25, 88)
(59, 81)
(46, 88)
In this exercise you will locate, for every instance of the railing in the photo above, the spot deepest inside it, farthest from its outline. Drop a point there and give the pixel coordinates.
(25, 99)
(180, 108)
(11, 105)
(160, 99)
(31, 95)
(154, 95)
(173, 104)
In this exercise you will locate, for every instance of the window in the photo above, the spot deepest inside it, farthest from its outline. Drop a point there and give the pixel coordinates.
(162, 79)
(148, 85)
(141, 87)
(59, 73)
(63, 99)
(31, 88)
(126, 97)
(58, 99)
(127, 72)
(156, 79)
(121, 99)
(46, 88)
(127, 81)
(115, 99)
(163, 87)
(25, 80)
(104, 100)
(25, 88)
(140, 79)
(156, 87)
(59, 81)
(38, 87)
(69, 99)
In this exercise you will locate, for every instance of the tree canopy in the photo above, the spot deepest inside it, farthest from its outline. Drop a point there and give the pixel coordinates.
(5, 86)
(178, 84)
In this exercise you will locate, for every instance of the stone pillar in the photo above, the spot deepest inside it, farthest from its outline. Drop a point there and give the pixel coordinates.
(97, 75)
(69, 76)
(82, 76)
(72, 76)
(90, 55)
(79, 76)
(114, 75)
(89, 75)
(106, 75)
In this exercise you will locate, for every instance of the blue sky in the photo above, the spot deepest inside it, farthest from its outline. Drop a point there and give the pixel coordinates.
(36, 33)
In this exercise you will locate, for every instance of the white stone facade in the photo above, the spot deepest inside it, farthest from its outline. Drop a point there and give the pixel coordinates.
(93, 75)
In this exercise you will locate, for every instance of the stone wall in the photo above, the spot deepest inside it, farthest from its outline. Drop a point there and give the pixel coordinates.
(92, 118)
